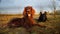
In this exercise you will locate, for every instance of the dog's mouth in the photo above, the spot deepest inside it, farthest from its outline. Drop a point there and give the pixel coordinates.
(29, 15)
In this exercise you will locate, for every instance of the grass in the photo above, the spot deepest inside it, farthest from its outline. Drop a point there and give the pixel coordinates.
(53, 25)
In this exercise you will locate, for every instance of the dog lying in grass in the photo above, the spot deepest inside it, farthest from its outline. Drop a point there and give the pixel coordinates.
(26, 21)
(42, 17)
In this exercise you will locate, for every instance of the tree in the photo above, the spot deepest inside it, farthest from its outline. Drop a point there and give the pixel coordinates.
(54, 7)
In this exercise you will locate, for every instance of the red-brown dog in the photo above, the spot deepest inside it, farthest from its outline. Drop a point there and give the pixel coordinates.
(27, 21)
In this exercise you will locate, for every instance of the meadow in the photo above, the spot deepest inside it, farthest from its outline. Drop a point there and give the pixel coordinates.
(52, 25)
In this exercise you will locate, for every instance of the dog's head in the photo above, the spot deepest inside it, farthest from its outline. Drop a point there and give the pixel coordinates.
(29, 11)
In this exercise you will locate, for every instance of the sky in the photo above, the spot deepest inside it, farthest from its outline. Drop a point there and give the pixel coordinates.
(17, 6)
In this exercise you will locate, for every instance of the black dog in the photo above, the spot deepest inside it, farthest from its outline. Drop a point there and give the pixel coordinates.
(42, 17)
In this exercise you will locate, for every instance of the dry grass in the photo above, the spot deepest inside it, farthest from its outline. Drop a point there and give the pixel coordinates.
(53, 25)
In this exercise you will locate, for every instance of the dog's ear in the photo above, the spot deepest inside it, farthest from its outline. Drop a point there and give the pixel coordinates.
(33, 11)
(24, 12)
(45, 13)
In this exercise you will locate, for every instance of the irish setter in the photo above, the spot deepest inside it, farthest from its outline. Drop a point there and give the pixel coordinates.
(27, 21)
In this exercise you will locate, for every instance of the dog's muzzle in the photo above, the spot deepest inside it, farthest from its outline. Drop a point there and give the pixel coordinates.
(29, 15)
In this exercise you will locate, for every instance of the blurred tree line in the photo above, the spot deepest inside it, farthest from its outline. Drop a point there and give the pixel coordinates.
(56, 13)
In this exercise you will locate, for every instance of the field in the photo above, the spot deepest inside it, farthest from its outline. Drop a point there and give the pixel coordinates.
(52, 25)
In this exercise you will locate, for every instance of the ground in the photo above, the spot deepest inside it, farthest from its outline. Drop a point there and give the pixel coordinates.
(52, 25)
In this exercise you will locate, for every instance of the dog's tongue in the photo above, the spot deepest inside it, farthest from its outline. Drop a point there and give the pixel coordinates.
(29, 14)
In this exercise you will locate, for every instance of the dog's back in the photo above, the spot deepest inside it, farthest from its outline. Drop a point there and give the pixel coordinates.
(16, 22)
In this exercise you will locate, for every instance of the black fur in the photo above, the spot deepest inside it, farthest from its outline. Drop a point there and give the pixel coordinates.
(42, 17)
